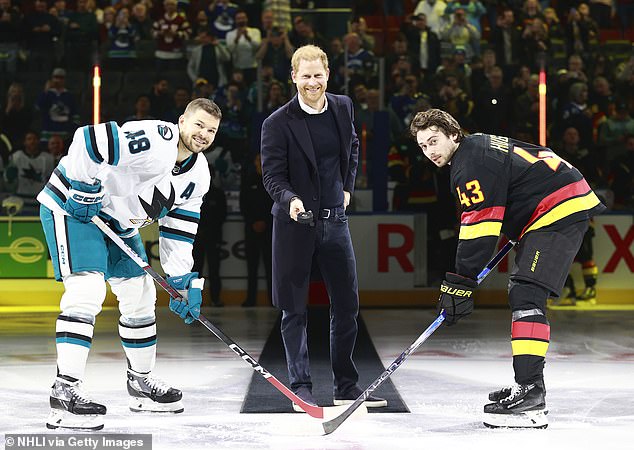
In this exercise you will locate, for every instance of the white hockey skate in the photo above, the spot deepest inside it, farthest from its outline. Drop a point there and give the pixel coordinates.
(520, 406)
(151, 394)
(72, 409)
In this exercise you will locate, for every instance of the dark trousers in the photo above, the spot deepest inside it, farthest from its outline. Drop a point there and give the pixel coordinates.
(210, 250)
(257, 246)
(334, 255)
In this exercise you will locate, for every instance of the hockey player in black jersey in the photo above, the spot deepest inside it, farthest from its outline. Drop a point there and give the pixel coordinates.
(534, 197)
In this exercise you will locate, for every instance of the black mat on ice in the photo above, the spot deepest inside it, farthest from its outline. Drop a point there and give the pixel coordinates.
(262, 397)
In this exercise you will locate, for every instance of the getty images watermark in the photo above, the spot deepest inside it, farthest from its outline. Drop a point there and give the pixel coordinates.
(78, 441)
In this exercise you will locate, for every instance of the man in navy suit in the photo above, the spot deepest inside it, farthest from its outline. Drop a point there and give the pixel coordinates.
(309, 162)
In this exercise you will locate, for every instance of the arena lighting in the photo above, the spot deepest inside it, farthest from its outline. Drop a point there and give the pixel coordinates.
(542, 107)
(96, 86)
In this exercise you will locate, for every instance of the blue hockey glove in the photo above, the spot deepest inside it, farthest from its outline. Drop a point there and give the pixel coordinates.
(190, 287)
(456, 297)
(84, 200)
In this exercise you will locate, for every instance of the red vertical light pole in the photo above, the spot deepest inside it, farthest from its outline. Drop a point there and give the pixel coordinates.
(96, 99)
(542, 107)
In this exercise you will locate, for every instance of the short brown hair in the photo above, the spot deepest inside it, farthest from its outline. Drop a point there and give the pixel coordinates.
(206, 105)
(308, 53)
(439, 119)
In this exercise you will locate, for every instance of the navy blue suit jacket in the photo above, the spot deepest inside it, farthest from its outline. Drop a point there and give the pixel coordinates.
(289, 169)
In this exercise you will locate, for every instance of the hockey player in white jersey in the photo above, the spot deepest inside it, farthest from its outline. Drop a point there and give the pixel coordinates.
(129, 176)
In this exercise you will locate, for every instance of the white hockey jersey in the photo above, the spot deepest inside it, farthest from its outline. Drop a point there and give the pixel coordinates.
(136, 164)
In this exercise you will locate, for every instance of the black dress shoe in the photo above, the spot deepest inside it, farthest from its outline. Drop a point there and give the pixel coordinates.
(353, 393)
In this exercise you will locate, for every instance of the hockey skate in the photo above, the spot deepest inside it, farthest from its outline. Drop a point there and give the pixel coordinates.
(588, 296)
(518, 406)
(71, 408)
(568, 297)
(151, 394)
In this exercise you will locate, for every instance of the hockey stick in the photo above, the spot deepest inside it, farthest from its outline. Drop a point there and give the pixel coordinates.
(313, 411)
(332, 425)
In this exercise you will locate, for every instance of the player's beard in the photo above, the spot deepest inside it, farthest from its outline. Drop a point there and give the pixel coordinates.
(190, 145)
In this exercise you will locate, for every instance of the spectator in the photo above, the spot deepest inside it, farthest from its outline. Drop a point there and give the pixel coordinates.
(41, 32)
(531, 10)
(208, 60)
(181, 99)
(481, 68)
(276, 51)
(400, 51)
(267, 22)
(275, 98)
(281, 11)
(403, 103)
(577, 114)
(578, 34)
(56, 148)
(526, 107)
(141, 21)
(160, 99)
(434, 10)
(170, 32)
(243, 43)
(81, 36)
(551, 19)
(506, 39)
(122, 36)
(603, 11)
(461, 33)
(601, 97)
(536, 44)
(232, 134)
(361, 65)
(221, 14)
(16, 117)
(473, 9)
(57, 107)
(208, 242)
(255, 206)
(304, 34)
(494, 105)
(366, 116)
(423, 43)
(106, 22)
(10, 37)
(360, 26)
(28, 170)
(453, 99)
(142, 108)
(614, 131)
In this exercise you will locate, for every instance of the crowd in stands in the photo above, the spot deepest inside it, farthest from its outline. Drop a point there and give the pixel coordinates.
(478, 60)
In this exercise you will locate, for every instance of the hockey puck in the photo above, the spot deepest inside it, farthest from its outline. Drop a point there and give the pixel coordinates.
(305, 217)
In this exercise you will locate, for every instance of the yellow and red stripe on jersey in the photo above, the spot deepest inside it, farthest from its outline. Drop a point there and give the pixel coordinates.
(568, 200)
(530, 338)
(483, 222)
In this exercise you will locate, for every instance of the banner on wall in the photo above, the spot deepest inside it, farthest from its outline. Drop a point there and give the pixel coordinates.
(389, 248)
(389, 254)
(23, 251)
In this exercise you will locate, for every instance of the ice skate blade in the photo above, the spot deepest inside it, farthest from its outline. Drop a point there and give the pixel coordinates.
(68, 421)
(527, 419)
(144, 404)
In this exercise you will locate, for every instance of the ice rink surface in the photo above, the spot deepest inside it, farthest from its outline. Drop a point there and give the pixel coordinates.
(589, 378)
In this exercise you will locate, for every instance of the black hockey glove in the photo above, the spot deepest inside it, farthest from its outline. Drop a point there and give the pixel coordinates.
(456, 297)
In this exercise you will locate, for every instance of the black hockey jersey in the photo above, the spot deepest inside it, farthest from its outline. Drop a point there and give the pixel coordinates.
(512, 187)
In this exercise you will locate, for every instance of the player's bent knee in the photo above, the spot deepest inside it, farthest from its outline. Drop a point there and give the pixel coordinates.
(136, 296)
(524, 295)
(84, 294)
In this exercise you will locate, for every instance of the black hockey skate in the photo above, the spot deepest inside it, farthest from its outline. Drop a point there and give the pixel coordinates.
(151, 394)
(71, 408)
(524, 406)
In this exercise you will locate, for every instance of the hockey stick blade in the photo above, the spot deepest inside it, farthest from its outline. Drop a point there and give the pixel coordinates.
(317, 412)
(331, 425)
